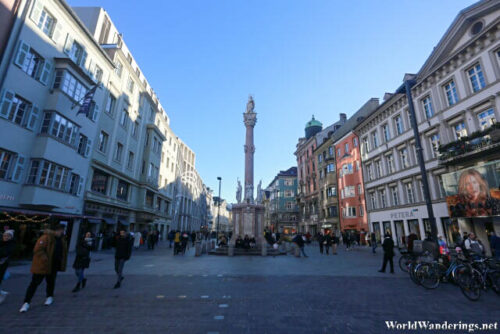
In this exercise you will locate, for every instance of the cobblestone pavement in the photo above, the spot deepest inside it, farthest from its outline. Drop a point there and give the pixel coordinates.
(184, 294)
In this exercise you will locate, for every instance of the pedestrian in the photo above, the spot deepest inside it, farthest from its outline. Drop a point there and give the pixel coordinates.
(82, 260)
(474, 246)
(494, 243)
(7, 246)
(321, 241)
(184, 242)
(122, 254)
(193, 238)
(177, 242)
(347, 240)
(300, 242)
(150, 240)
(137, 240)
(49, 257)
(170, 238)
(335, 243)
(388, 246)
(327, 242)
(374, 242)
(367, 239)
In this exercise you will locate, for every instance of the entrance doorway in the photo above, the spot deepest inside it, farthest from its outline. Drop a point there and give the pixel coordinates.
(400, 232)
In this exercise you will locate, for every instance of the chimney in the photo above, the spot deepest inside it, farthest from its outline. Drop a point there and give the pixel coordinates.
(387, 96)
(343, 118)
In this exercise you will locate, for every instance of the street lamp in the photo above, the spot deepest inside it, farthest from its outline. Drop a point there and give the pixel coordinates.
(218, 208)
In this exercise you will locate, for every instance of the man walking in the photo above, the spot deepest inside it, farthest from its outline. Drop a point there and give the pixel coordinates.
(122, 254)
(388, 246)
(373, 242)
(49, 257)
(299, 241)
(327, 242)
(335, 242)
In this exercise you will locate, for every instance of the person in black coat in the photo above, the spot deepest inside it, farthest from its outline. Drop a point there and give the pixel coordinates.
(321, 239)
(123, 252)
(7, 246)
(299, 241)
(388, 247)
(82, 260)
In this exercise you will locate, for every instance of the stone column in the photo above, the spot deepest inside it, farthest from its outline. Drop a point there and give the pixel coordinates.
(249, 118)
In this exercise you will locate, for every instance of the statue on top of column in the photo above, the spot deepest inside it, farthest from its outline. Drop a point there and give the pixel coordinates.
(259, 192)
(238, 192)
(250, 104)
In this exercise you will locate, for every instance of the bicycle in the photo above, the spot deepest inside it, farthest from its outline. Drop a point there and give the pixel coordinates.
(433, 273)
(483, 274)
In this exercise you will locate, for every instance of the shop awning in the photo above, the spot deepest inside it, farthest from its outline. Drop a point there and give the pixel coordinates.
(109, 221)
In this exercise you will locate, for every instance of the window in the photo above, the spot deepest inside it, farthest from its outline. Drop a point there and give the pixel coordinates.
(99, 182)
(11, 165)
(361, 211)
(97, 73)
(130, 85)
(347, 169)
(118, 152)
(395, 196)
(67, 83)
(332, 211)
(331, 191)
(476, 78)
(61, 128)
(149, 198)
(110, 104)
(18, 110)
(359, 189)
(135, 126)
(366, 147)
(320, 158)
(374, 139)
(84, 145)
(460, 130)
(378, 168)
(399, 124)
(287, 182)
(330, 168)
(357, 165)
(387, 134)
(409, 192)
(434, 139)
(338, 152)
(442, 192)
(346, 148)
(48, 174)
(122, 190)
(383, 199)
(289, 205)
(75, 51)
(349, 191)
(427, 105)
(43, 19)
(369, 169)
(130, 160)
(486, 118)
(75, 184)
(355, 142)
(390, 163)
(451, 93)
(330, 151)
(103, 141)
(373, 200)
(32, 63)
(350, 211)
(124, 118)
(119, 68)
(403, 153)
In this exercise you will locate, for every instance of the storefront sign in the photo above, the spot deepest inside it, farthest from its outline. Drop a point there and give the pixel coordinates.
(473, 192)
(404, 214)
(6, 197)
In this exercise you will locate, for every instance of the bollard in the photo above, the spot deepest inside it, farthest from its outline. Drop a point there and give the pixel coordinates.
(230, 250)
(198, 249)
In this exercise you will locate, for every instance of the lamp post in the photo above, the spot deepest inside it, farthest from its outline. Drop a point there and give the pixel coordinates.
(218, 208)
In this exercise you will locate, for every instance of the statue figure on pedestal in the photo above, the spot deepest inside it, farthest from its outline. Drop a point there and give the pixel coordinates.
(238, 192)
(259, 192)
(250, 104)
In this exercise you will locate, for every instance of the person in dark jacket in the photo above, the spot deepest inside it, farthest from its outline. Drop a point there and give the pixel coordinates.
(170, 238)
(299, 241)
(494, 244)
(388, 246)
(193, 238)
(373, 241)
(7, 246)
(320, 239)
(122, 254)
(82, 260)
(327, 242)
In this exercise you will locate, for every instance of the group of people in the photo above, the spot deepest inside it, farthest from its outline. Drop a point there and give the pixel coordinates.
(180, 241)
(326, 241)
(245, 243)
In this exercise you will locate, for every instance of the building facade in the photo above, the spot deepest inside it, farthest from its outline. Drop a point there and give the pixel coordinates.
(222, 216)
(282, 207)
(349, 174)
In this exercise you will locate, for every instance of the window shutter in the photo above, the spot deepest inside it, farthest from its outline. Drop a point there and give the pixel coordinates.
(36, 11)
(88, 148)
(57, 33)
(68, 44)
(95, 112)
(19, 168)
(80, 186)
(44, 77)
(22, 51)
(34, 114)
(83, 60)
(6, 103)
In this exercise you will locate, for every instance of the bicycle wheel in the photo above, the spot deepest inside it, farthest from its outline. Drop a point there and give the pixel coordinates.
(460, 273)
(471, 284)
(429, 275)
(412, 271)
(404, 261)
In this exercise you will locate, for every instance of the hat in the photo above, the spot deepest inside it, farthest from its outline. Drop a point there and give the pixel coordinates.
(9, 232)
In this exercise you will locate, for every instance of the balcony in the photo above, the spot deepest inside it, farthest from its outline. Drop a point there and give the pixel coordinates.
(478, 144)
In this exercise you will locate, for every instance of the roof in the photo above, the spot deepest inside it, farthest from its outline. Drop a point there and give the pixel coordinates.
(369, 107)
(290, 172)
(313, 122)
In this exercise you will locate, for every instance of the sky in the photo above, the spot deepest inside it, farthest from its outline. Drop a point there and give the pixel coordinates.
(297, 58)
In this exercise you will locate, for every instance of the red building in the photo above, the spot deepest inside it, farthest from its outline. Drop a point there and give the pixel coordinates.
(350, 186)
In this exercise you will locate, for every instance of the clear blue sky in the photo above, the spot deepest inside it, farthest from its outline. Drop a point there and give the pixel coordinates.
(297, 58)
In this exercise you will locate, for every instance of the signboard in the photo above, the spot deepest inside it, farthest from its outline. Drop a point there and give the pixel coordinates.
(473, 192)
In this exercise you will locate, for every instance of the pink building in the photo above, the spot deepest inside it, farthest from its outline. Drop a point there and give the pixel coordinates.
(8, 11)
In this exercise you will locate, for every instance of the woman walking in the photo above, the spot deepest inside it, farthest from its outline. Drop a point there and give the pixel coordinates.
(7, 246)
(82, 260)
